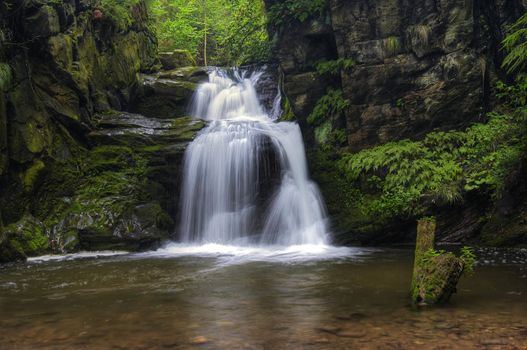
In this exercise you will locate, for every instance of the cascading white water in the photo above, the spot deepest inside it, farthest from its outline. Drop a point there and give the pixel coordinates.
(222, 184)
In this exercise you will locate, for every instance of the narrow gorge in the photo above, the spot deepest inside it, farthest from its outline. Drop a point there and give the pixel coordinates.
(263, 174)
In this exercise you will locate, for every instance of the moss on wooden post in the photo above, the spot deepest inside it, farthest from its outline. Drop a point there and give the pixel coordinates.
(435, 274)
(426, 230)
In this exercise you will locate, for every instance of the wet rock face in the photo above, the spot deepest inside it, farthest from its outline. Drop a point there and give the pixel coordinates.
(65, 66)
(176, 59)
(90, 177)
(420, 65)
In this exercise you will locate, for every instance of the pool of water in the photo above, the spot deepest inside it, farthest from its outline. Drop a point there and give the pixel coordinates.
(216, 297)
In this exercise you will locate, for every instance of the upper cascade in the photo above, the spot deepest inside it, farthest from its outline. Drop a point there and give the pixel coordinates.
(228, 172)
(224, 98)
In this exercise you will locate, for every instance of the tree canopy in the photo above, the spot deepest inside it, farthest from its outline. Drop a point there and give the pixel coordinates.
(216, 32)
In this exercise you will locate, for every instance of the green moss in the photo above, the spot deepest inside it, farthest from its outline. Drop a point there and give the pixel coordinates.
(31, 175)
(287, 115)
(437, 276)
(391, 45)
(27, 237)
(119, 11)
(5, 76)
(436, 272)
(328, 107)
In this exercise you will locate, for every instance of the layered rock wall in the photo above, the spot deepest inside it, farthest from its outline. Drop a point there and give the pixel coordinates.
(73, 166)
(420, 66)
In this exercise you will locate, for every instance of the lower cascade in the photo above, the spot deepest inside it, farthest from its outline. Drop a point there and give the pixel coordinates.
(245, 178)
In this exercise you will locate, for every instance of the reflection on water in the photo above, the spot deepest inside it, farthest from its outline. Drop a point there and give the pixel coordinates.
(211, 297)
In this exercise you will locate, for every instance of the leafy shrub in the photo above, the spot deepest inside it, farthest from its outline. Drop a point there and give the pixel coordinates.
(514, 96)
(325, 118)
(331, 105)
(469, 260)
(407, 178)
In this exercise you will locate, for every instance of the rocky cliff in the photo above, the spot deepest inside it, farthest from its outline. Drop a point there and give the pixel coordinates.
(418, 66)
(75, 172)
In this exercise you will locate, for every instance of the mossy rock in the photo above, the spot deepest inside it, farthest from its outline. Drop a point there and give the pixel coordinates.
(32, 174)
(191, 74)
(176, 59)
(23, 239)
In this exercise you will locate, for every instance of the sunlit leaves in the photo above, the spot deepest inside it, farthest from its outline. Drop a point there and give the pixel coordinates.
(235, 29)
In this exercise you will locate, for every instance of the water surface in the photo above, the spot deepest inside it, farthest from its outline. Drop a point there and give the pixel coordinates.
(220, 297)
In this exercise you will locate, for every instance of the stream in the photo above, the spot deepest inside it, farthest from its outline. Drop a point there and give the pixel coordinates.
(213, 296)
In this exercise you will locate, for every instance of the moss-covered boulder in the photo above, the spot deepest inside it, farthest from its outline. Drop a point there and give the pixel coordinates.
(176, 59)
(192, 74)
(108, 206)
(120, 194)
(163, 97)
(23, 239)
(436, 273)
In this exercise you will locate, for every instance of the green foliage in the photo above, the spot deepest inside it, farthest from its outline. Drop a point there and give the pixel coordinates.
(432, 253)
(300, 10)
(331, 105)
(514, 96)
(516, 45)
(27, 236)
(324, 118)
(407, 178)
(467, 256)
(469, 259)
(334, 67)
(120, 11)
(233, 31)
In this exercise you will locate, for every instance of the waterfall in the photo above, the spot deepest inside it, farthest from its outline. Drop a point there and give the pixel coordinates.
(245, 178)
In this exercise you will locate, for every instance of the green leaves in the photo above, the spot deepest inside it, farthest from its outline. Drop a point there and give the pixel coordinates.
(516, 44)
(299, 10)
(328, 106)
(324, 118)
(334, 67)
(235, 30)
(412, 176)
(469, 260)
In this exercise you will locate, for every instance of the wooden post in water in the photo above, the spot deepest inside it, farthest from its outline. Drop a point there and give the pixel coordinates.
(435, 274)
